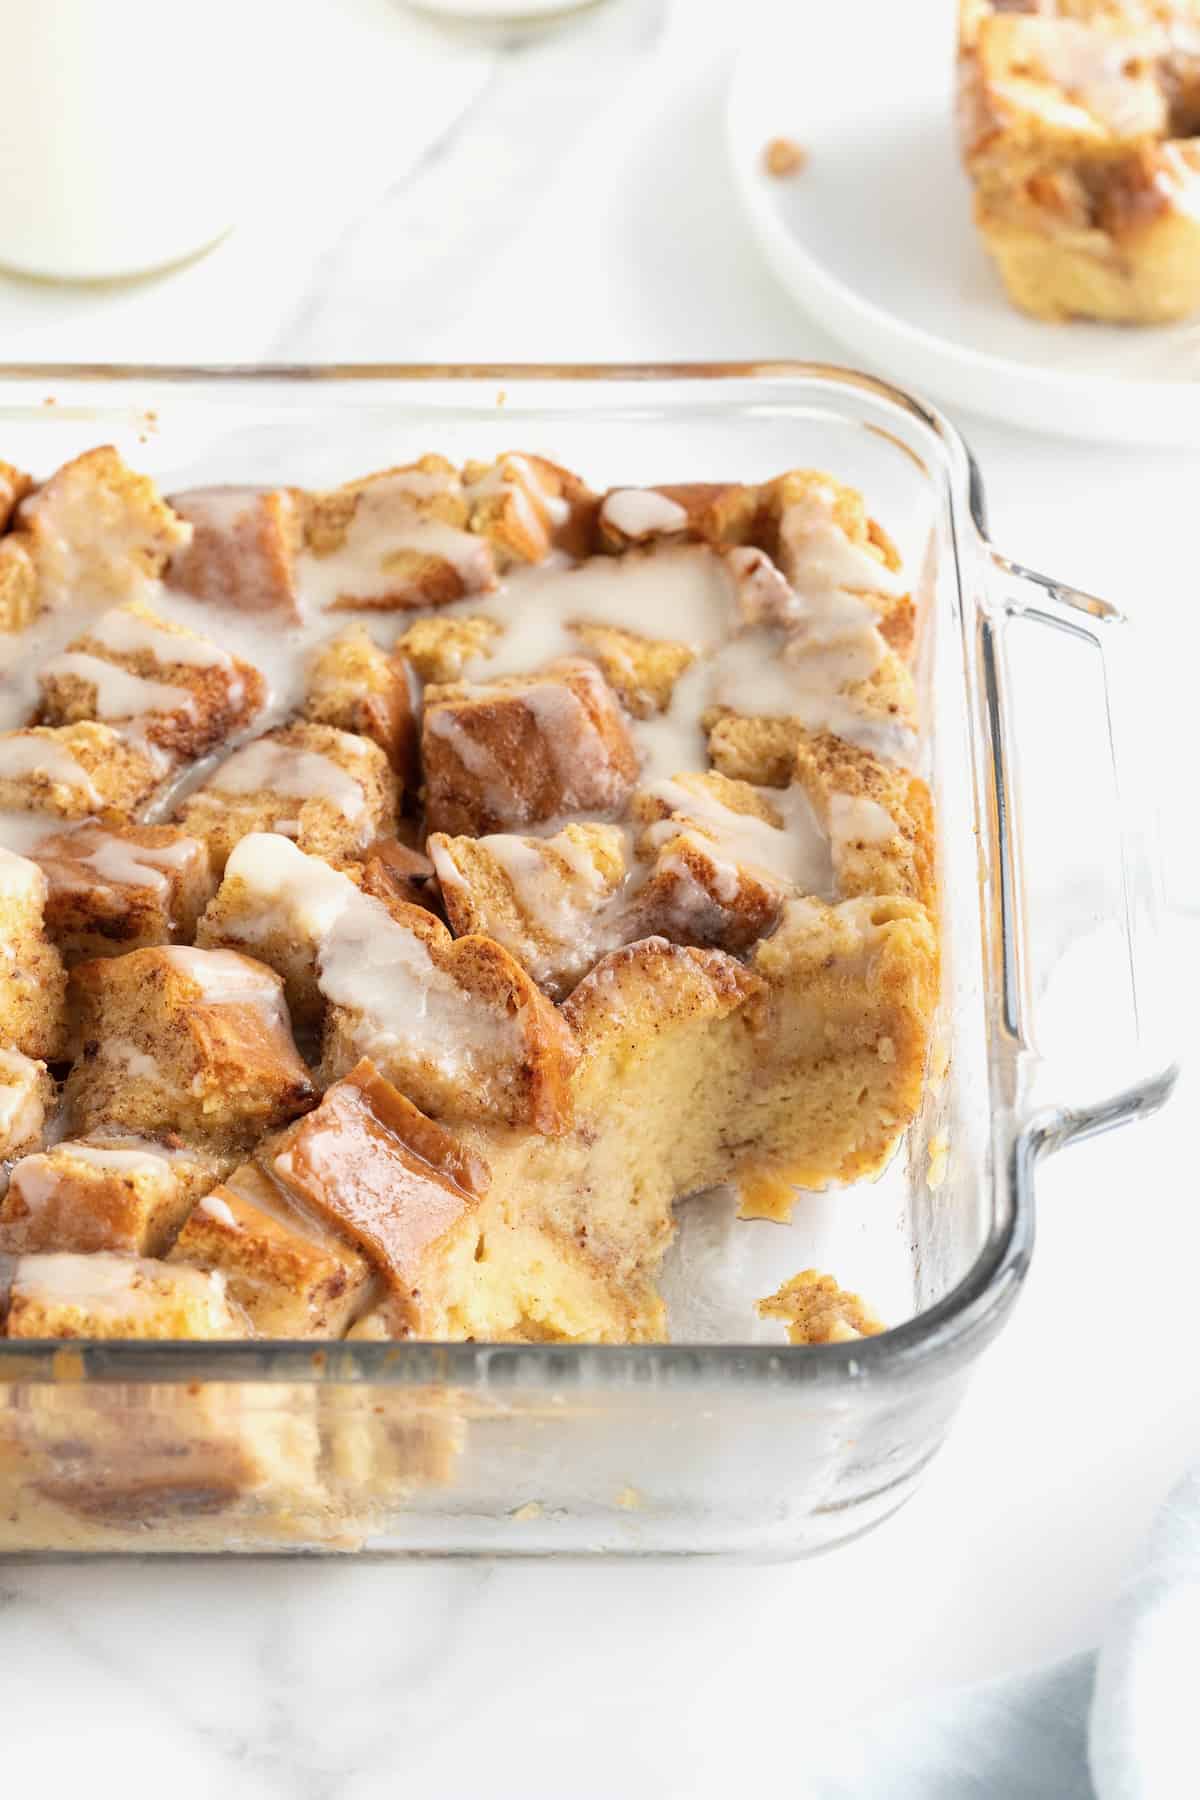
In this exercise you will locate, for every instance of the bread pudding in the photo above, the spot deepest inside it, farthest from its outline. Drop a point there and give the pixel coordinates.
(412, 893)
(1080, 127)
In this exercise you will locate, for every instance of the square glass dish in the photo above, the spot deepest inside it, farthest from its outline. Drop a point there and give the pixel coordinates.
(711, 1445)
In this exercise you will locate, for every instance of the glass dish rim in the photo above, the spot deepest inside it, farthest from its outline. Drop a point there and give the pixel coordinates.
(972, 1310)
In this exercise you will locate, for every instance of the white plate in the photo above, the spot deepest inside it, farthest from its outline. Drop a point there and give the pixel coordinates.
(874, 235)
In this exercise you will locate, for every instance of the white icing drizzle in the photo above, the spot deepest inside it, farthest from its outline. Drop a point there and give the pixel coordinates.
(21, 878)
(369, 963)
(227, 979)
(1093, 68)
(219, 1209)
(22, 1114)
(289, 890)
(127, 632)
(793, 855)
(680, 592)
(854, 818)
(104, 1282)
(268, 767)
(642, 513)
(120, 694)
(27, 753)
(36, 1178)
(381, 970)
(123, 1161)
(388, 520)
(23, 831)
(139, 865)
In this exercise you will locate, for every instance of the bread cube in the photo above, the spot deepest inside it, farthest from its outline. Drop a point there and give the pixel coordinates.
(32, 979)
(186, 693)
(109, 1296)
(293, 1276)
(118, 888)
(553, 902)
(328, 790)
(817, 1311)
(457, 1024)
(513, 752)
(103, 1192)
(97, 531)
(383, 1175)
(178, 1039)
(839, 567)
(527, 506)
(710, 512)
(277, 904)
(358, 687)
(874, 709)
(395, 541)
(73, 771)
(851, 992)
(879, 820)
(724, 857)
(27, 1095)
(642, 671)
(243, 550)
(440, 647)
(280, 905)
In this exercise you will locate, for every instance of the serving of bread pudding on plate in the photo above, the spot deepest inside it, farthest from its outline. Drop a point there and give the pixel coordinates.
(411, 893)
(1079, 122)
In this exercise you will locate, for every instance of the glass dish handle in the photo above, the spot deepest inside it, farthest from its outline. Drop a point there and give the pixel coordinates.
(1084, 986)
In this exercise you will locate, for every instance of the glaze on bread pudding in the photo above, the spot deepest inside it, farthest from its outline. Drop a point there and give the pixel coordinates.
(1080, 127)
(412, 892)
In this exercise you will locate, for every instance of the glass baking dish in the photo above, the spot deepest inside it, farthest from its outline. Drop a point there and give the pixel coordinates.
(709, 1447)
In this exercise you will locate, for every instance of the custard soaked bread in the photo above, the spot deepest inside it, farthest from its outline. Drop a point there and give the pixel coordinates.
(1080, 127)
(417, 889)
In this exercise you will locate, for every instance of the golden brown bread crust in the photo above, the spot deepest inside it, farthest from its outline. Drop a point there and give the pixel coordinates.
(291, 1277)
(104, 1192)
(513, 752)
(527, 506)
(386, 1176)
(122, 887)
(79, 771)
(192, 1041)
(214, 699)
(360, 688)
(521, 1072)
(552, 907)
(243, 548)
(96, 526)
(838, 777)
(311, 810)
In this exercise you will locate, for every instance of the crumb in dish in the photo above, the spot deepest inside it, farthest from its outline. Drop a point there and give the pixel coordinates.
(783, 156)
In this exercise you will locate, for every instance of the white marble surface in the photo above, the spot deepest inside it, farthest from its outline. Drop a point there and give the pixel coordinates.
(574, 205)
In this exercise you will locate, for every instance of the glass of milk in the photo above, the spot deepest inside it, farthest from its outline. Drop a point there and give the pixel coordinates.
(125, 127)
